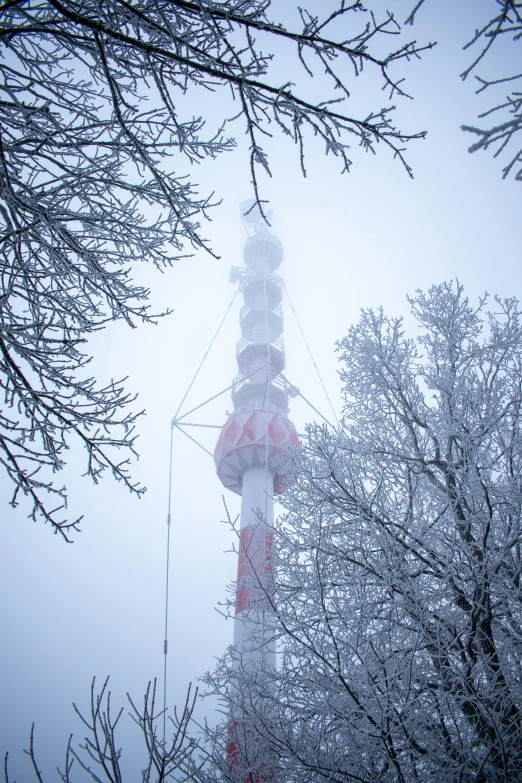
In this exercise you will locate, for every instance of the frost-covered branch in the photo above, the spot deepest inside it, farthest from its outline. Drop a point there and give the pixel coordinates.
(176, 756)
(95, 149)
(504, 27)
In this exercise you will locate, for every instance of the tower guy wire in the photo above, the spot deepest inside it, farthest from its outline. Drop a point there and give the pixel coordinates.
(311, 356)
(167, 570)
(169, 510)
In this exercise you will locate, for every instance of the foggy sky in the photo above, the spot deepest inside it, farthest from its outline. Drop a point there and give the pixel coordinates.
(366, 239)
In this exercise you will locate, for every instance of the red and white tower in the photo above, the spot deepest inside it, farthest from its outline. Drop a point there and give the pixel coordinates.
(253, 459)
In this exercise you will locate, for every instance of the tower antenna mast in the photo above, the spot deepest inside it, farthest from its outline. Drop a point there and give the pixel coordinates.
(253, 459)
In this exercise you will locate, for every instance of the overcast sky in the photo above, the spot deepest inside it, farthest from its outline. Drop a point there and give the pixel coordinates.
(366, 239)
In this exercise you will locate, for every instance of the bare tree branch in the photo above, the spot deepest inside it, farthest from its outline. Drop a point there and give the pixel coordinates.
(94, 151)
(505, 22)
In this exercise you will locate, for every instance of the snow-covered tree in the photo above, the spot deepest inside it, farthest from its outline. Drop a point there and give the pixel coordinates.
(398, 562)
(95, 146)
